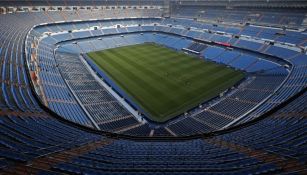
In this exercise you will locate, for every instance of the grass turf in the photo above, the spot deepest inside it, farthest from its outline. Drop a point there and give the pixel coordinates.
(164, 83)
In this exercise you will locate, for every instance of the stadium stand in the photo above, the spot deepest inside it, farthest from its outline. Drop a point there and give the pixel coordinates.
(60, 116)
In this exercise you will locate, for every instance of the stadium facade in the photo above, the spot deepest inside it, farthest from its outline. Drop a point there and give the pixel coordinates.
(242, 112)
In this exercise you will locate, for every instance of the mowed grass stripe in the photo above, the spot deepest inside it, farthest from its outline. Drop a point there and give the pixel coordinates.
(165, 55)
(132, 80)
(178, 64)
(178, 68)
(162, 82)
(145, 77)
(167, 85)
(145, 73)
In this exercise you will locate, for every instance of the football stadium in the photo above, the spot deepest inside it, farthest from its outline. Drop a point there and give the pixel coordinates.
(203, 87)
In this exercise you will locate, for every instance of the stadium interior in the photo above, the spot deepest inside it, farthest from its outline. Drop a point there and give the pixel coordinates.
(153, 87)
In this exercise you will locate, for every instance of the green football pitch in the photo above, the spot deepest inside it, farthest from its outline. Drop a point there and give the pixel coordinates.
(163, 82)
